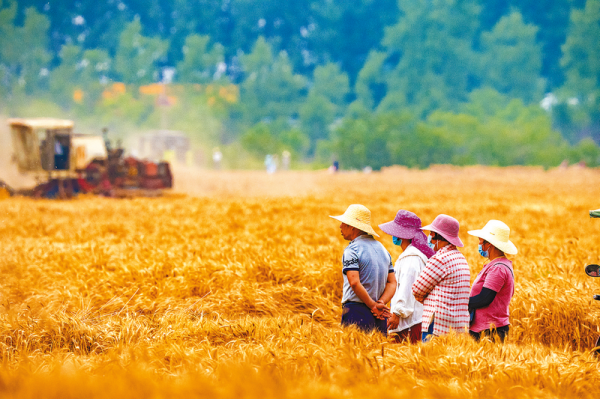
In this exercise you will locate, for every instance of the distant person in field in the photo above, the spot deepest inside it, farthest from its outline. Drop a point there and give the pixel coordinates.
(443, 285)
(286, 160)
(406, 312)
(270, 164)
(495, 284)
(335, 166)
(217, 158)
(368, 272)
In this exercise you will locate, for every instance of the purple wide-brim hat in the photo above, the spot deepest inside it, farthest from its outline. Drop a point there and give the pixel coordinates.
(407, 225)
(447, 227)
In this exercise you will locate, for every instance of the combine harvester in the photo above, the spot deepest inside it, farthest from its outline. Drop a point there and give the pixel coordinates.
(64, 163)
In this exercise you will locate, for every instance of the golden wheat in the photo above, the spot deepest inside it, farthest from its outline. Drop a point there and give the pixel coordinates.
(229, 295)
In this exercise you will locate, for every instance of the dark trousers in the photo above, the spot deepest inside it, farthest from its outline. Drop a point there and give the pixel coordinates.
(412, 334)
(428, 335)
(359, 314)
(500, 332)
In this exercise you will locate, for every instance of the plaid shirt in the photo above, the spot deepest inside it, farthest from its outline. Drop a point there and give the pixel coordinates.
(445, 282)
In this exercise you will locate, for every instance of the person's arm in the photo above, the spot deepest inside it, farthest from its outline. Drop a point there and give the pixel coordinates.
(494, 280)
(390, 288)
(431, 276)
(359, 289)
(380, 310)
(483, 299)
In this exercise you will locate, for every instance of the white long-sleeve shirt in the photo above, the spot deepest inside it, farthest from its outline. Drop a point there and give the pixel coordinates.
(407, 268)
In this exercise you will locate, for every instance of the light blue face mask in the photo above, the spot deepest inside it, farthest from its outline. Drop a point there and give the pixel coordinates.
(429, 243)
(485, 254)
(397, 241)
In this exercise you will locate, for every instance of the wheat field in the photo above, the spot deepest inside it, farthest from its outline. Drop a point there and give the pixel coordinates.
(230, 287)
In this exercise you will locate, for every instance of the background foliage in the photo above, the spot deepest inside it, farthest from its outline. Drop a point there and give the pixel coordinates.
(360, 82)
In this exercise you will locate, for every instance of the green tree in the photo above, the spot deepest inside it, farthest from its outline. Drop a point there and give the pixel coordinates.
(271, 90)
(581, 60)
(325, 102)
(80, 70)
(429, 52)
(370, 87)
(346, 32)
(199, 64)
(24, 53)
(63, 79)
(484, 103)
(137, 55)
(552, 18)
(330, 82)
(586, 151)
(316, 115)
(93, 68)
(514, 134)
(8, 49)
(370, 140)
(33, 36)
(512, 59)
(260, 141)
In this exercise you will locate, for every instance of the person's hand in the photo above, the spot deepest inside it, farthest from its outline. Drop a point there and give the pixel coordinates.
(393, 322)
(420, 298)
(380, 311)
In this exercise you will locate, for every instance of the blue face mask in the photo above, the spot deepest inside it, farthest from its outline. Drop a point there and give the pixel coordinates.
(485, 254)
(397, 241)
(429, 243)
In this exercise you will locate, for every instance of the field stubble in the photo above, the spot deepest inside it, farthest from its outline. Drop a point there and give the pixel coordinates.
(237, 293)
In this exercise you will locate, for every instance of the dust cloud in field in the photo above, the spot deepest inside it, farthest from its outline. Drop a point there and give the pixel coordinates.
(202, 182)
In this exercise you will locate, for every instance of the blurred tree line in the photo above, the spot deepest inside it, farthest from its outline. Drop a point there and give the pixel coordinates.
(369, 83)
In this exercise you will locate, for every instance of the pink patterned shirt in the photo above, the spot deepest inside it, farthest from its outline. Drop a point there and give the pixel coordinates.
(445, 281)
(500, 279)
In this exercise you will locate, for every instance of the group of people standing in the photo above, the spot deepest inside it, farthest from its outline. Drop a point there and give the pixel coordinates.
(428, 288)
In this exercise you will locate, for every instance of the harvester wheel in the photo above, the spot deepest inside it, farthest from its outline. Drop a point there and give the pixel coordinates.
(93, 175)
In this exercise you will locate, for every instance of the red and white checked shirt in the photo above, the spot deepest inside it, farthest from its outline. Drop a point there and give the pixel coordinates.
(445, 281)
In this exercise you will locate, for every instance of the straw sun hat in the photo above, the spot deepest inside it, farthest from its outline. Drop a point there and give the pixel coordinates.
(357, 216)
(496, 233)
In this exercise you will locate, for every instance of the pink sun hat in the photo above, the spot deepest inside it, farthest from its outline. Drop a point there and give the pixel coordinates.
(447, 227)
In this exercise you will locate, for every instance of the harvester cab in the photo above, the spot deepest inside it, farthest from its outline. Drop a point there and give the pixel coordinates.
(43, 146)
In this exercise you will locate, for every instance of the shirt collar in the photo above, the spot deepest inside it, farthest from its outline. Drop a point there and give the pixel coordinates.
(361, 237)
(447, 248)
(504, 260)
(413, 251)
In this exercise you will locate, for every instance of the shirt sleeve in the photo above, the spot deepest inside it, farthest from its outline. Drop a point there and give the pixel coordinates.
(482, 300)
(496, 277)
(350, 260)
(431, 276)
(406, 274)
(391, 266)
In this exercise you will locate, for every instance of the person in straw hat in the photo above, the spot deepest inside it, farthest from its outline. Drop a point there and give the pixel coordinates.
(443, 285)
(495, 284)
(406, 313)
(368, 272)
